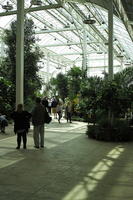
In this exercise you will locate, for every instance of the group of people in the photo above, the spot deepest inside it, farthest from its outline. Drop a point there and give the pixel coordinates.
(39, 116)
(58, 108)
(22, 124)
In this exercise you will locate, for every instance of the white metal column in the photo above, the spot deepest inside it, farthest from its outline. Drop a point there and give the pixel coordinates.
(110, 39)
(48, 61)
(20, 53)
(84, 62)
(104, 61)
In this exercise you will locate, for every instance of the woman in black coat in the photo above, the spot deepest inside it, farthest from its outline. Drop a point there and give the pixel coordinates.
(21, 125)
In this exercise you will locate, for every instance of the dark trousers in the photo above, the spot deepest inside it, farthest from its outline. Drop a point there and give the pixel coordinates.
(59, 116)
(69, 116)
(22, 135)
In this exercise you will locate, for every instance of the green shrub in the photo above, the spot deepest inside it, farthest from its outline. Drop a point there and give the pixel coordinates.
(121, 131)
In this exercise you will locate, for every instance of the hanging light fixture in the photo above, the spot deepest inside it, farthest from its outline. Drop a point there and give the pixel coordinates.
(89, 20)
(103, 25)
(7, 6)
(58, 67)
(120, 56)
(99, 50)
(67, 25)
(36, 2)
(127, 63)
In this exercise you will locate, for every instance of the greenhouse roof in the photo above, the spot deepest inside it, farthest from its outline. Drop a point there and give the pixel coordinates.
(60, 31)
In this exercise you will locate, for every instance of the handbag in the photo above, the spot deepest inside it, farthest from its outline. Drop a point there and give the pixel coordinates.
(47, 118)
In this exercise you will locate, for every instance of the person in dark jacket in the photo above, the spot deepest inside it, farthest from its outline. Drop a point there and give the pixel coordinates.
(45, 102)
(21, 125)
(38, 120)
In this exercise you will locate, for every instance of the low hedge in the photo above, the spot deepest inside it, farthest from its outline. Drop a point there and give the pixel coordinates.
(117, 133)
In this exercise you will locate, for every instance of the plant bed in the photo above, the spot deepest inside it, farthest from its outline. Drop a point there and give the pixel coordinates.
(77, 118)
(116, 134)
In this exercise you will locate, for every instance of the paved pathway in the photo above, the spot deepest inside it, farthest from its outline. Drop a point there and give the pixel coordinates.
(70, 167)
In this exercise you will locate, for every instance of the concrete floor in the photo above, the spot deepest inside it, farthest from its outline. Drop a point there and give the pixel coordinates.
(70, 167)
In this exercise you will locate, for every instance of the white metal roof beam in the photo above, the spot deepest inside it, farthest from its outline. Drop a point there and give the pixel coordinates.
(60, 45)
(55, 30)
(92, 28)
(101, 3)
(79, 11)
(71, 54)
(122, 12)
(48, 25)
(76, 20)
(99, 67)
(67, 44)
(51, 6)
(53, 54)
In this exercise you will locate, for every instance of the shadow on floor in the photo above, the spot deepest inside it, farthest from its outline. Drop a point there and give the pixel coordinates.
(79, 169)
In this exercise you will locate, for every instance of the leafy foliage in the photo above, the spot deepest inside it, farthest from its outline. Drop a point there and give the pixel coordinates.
(62, 86)
(60, 83)
(89, 96)
(110, 98)
(119, 132)
(32, 54)
(6, 96)
(74, 80)
(68, 85)
(113, 100)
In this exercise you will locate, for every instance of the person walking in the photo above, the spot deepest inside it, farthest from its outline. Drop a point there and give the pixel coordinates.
(21, 125)
(53, 106)
(59, 111)
(69, 112)
(38, 120)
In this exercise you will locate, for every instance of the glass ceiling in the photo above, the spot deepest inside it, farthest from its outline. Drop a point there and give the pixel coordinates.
(60, 34)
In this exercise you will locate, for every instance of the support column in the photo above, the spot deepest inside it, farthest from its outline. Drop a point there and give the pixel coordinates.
(104, 61)
(2, 48)
(84, 62)
(20, 53)
(110, 39)
(121, 63)
(48, 60)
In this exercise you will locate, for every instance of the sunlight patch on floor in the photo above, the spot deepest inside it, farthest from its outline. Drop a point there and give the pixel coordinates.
(14, 157)
(89, 183)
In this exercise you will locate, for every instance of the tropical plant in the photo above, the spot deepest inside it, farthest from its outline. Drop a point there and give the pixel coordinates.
(113, 99)
(32, 54)
(74, 81)
(89, 97)
(6, 96)
(60, 83)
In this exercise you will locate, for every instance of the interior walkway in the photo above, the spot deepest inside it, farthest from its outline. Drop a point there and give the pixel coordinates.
(70, 167)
